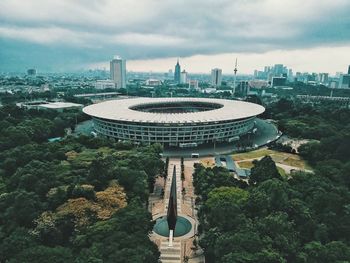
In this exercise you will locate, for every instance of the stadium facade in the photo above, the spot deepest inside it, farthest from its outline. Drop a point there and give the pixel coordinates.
(184, 122)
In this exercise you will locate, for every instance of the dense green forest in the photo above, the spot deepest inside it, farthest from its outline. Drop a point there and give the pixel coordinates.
(81, 199)
(302, 219)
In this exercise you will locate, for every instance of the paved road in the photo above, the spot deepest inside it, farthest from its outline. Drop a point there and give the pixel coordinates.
(266, 131)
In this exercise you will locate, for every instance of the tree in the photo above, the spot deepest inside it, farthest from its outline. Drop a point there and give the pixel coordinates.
(42, 254)
(263, 170)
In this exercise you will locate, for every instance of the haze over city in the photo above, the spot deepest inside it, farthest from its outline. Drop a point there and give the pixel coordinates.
(63, 36)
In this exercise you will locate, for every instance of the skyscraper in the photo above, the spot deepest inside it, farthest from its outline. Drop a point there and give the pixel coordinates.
(118, 72)
(216, 77)
(177, 73)
(278, 70)
(183, 77)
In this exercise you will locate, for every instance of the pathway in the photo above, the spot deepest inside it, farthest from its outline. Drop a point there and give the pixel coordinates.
(185, 207)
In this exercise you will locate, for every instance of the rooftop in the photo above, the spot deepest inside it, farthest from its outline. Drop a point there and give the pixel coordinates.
(129, 110)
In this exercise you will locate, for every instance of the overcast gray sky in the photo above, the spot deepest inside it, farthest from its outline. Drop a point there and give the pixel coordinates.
(64, 35)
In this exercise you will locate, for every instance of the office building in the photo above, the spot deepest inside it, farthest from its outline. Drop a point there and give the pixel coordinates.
(344, 81)
(183, 77)
(278, 70)
(104, 84)
(118, 72)
(216, 77)
(177, 72)
(323, 78)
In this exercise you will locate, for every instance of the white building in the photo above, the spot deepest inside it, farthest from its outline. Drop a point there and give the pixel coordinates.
(105, 84)
(216, 77)
(193, 84)
(183, 77)
(118, 72)
(153, 82)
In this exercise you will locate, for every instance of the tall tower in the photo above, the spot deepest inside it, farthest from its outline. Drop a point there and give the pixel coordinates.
(234, 79)
(216, 77)
(118, 72)
(177, 73)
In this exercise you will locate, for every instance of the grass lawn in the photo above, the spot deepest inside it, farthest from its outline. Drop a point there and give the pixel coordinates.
(253, 154)
(278, 157)
(296, 161)
(281, 171)
(245, 164)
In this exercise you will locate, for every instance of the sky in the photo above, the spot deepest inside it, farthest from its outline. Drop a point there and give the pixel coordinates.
(71, 35)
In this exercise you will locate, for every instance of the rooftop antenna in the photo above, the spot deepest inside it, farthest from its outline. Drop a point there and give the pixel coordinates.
(234, 79)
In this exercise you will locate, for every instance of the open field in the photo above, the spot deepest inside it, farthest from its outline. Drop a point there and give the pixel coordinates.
(245, 164)
(279, 157)
(252, 155)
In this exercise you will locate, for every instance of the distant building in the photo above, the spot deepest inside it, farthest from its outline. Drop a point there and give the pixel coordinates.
(183, 77)
(243, 87)
(278, 70)
(278, 81)
(193, 84)
(290, 74)
(57, 106)
(31, 72)
(323, 78)
(153, 82)
(333, 84)
(216, 77)
(344, 81)
(177, 72)
(118, 72)
(104, 84)
(349, 69)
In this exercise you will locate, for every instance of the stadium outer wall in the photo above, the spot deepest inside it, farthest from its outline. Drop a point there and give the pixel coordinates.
(183, 132)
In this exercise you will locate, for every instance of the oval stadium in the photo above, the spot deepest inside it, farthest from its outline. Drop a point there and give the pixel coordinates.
(184, 122)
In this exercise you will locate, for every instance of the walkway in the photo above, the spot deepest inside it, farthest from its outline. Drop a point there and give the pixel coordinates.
(182, 246)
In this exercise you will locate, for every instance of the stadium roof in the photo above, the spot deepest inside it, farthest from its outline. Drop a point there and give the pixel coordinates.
(121, 110)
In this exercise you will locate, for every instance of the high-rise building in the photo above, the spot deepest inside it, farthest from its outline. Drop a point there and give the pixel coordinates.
(323, 78)
(349, 69)
(344, 81)
(216, 77)
(183, 77)
(278, 70)
(177, 72)
(118, 72)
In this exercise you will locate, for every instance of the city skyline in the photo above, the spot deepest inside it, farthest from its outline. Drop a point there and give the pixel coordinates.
(58, 36)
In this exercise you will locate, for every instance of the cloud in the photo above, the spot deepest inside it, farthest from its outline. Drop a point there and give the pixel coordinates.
(150, 29)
